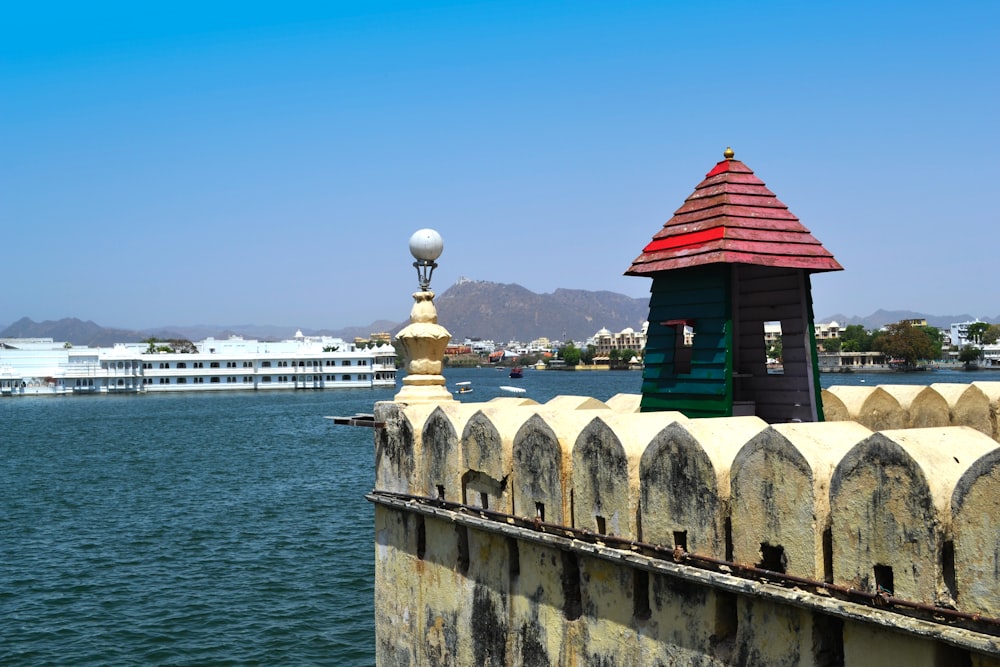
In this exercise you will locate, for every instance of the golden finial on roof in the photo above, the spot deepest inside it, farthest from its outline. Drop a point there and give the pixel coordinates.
(728, 153)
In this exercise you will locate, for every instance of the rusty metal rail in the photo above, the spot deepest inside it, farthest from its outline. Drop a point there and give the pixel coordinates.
(880, 600)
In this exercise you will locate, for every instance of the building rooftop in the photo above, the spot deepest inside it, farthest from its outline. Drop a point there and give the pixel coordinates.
(732, 217)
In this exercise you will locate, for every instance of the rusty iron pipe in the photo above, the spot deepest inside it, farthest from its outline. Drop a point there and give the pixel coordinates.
(682, 556)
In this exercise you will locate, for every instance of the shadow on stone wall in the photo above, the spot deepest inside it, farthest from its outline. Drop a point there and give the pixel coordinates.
(861, 501)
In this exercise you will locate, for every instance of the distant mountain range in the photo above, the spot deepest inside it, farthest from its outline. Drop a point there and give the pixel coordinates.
(505, 312)
(88, 333)
(468, 309)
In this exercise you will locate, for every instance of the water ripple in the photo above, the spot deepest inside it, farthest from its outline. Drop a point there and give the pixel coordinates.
(186, 530)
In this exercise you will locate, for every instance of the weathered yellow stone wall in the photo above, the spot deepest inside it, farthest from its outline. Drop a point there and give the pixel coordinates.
(886, 407)
(913, 513)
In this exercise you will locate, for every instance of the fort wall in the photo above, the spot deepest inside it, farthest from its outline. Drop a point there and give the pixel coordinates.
(581, 532)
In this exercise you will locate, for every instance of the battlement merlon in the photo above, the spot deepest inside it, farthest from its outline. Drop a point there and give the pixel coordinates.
(830, 501)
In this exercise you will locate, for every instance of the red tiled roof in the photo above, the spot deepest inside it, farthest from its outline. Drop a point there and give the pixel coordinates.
(731, 217)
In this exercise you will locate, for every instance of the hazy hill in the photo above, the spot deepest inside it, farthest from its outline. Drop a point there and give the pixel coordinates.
(72, 330)
(88, 333)
(468, 309)
(503, 312)
(270, 331)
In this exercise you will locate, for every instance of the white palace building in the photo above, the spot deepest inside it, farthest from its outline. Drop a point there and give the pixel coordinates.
(32, 366)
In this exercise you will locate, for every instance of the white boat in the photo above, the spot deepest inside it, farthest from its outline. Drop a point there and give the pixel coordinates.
(513, 390)
(43, 366)
(463, 387)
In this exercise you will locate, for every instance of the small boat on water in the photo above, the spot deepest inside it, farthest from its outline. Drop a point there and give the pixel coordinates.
(516, 372)
(463, 387)
(513, 390)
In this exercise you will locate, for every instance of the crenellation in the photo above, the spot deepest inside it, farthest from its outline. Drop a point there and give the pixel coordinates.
(565, 403)
(684, 485)
(627, 403)
(439, 469)
(603, 481)
(538, 473)
(780, 493)
(834, 408)
(888, 407)
(890, 501)
(395, 448)
(923, 407)
(968, 405)
(509, 401)
(975, 515)
(910, 513)
(487, 462)
(873, 407)
(992, 392)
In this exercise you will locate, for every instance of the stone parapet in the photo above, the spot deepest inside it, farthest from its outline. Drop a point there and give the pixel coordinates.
(905, 513)
(887, 407)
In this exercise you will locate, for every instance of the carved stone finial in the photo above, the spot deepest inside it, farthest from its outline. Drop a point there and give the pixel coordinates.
(423, 341)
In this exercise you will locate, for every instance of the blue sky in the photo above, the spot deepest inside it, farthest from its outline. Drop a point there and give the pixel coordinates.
(266, 163)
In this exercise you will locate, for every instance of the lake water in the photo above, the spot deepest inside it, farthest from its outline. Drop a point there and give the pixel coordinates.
(215, 528)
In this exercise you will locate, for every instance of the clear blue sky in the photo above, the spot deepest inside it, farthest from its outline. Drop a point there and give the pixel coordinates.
(250, 162)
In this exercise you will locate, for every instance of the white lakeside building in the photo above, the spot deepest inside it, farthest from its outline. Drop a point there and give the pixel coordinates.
(42, 366)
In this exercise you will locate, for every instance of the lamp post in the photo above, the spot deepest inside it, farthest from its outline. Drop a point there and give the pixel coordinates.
(425, 246)
(423, 340)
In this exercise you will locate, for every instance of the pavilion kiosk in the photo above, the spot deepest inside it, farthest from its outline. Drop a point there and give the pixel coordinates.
(731, 260)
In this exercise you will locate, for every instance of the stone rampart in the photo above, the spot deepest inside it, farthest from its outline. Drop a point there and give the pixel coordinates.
(584, 532)
(886, 407)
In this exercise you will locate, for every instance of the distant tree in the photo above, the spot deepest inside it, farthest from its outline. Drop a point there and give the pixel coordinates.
(614, 358)
(969, 353)
(627, 355)
(976, 332)
(855, 338)
(182, 345)
(776, 348)
(991, 335)
(831, 345)
(529, 359)
(571, 354)
(587, 355)
(905, 343)
(164, 347)
(938, 340)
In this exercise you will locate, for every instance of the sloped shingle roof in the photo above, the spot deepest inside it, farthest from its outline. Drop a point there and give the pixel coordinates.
(731, 217)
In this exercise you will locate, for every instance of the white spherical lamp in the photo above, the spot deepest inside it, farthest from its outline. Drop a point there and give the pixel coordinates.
(425, 246)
